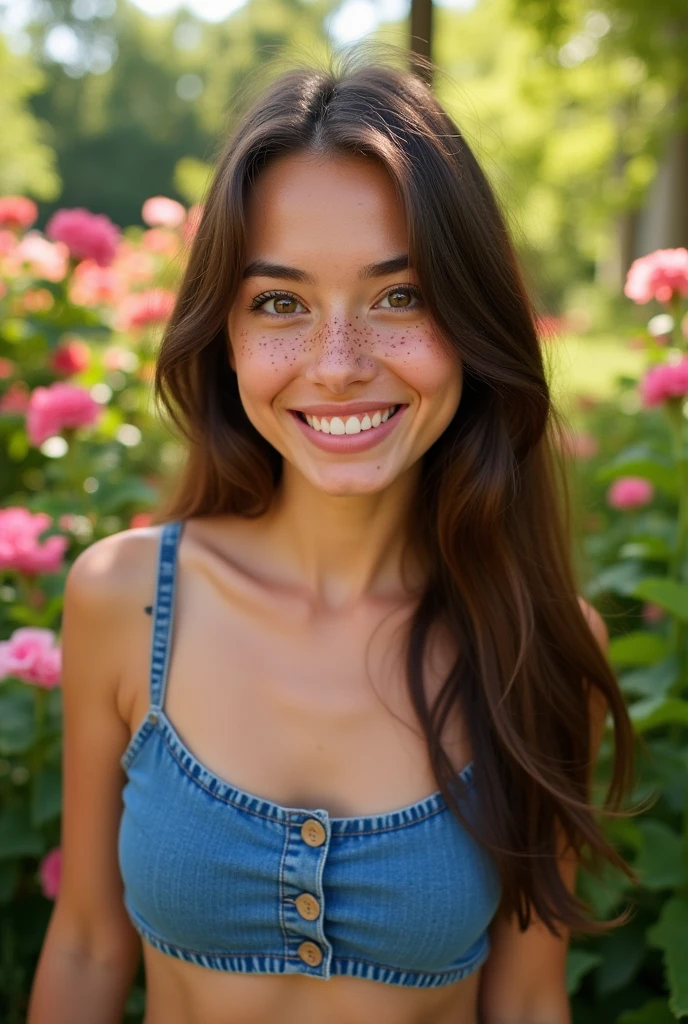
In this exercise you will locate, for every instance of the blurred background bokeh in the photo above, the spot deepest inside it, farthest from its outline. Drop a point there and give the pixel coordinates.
(111, 114)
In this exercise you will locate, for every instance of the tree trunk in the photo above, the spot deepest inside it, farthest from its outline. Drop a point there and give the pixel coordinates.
(420, 43)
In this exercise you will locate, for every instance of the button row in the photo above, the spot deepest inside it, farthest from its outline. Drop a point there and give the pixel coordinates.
(313, 834)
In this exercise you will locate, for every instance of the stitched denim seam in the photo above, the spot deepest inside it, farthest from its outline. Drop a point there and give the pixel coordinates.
(268, 817)
(453, 973)
(153, 938)
(283, 925)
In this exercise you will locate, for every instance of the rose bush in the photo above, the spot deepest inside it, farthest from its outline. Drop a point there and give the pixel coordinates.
(80, 309)
(633, 517)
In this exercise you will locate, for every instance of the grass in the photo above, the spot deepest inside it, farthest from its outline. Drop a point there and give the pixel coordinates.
(589, 366)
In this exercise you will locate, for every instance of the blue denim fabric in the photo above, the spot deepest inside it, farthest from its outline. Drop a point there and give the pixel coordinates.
(212, 873)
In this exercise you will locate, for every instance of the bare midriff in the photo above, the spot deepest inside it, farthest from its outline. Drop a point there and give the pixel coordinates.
(183, 993)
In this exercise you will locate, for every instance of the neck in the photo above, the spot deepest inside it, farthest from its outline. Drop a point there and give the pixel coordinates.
(344, 549)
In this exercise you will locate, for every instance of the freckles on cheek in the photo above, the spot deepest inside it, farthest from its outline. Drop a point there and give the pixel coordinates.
(418, 354)
(265, 352)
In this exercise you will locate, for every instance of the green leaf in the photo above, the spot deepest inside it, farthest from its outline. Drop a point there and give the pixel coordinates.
(134, 491)
(656, 711)
(655, 1012)
(655, 681)
(621, 578)
(640, 461)
(670, 935)
(638, 648)
(667, 593)
(650, 548)
(18, 838)
(622, 952)
(17, 726)
(579, 963)
(660, 862)
(46, 795)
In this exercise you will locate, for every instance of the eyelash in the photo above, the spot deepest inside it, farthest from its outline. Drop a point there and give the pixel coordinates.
(255, 306)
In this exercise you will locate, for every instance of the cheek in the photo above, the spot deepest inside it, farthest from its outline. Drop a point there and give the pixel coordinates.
(257, 352)
(417, 354)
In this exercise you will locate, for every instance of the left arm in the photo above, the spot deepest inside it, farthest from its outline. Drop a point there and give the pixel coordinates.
(524, 978)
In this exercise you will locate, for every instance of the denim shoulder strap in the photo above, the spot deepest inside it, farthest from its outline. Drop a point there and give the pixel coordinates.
(163, 609)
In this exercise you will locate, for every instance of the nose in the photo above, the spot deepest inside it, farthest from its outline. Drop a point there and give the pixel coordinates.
(341, 355)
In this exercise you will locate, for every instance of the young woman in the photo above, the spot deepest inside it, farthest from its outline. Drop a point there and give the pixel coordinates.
(330, 723)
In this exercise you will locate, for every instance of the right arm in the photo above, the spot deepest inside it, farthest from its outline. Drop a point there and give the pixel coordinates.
(91, 951)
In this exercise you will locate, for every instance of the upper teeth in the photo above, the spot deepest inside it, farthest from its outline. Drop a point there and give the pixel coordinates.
(351, 425)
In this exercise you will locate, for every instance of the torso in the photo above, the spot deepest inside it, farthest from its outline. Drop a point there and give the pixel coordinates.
(278, 699)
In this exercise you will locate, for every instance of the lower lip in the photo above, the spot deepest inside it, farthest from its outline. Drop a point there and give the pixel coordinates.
(347, 443)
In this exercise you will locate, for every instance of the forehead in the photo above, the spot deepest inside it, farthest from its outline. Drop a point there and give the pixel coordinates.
(305, 208)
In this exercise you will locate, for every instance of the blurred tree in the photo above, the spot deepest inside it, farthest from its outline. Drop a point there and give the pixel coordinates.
(131, 95)
(27, 162)
(570, 140)
(655, 36)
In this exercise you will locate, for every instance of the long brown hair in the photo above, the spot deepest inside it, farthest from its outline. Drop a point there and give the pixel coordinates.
(493, 513)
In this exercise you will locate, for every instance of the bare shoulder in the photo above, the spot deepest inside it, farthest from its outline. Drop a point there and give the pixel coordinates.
(115, 566)
(597, 624)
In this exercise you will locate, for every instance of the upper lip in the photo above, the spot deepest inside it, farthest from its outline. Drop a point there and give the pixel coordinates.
(348, 409)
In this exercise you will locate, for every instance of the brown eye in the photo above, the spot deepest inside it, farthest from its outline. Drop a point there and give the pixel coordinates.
(284, 304)
(400, 297)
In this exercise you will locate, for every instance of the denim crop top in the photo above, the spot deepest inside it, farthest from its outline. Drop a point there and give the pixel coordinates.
(228, 880)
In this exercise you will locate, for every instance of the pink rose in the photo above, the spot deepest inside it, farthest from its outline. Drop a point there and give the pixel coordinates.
(88, 235)
(15, 399)
(659, 276)
(135, 266)
(42, 258)
(17, 212)
(32, 654)
(159, 211)
(94, 285)
(58, 406)
(630, 492)
(19, 545)
(71, 356)
(150, 307)
(116, 357)
(664, 381)
(581, 445)
(50, 872)
(140, 519)
(652, 613)
(161, 241)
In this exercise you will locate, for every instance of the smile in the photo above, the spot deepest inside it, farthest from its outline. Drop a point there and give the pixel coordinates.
(353, 434)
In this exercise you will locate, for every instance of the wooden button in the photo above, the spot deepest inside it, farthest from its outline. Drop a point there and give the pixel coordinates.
(313, 833)
(307, 906)
(310, 954)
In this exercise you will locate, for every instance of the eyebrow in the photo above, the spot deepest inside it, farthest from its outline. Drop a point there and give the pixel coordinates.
(263, 268)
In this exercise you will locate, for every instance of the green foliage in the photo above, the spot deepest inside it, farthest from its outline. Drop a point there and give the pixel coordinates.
(27, 162)
(90, 487)
(568, 148)
(148, 124)
(630, 558)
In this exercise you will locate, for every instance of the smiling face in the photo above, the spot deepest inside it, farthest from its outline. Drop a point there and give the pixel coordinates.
(329, 319)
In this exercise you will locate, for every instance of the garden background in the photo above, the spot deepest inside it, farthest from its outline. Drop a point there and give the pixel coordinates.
(110, 114)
